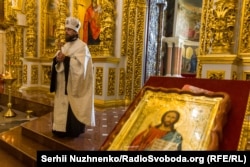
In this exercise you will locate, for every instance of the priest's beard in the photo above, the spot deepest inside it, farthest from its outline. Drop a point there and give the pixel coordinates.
(71, 38)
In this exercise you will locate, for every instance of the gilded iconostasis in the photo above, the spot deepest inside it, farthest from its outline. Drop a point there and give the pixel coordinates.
(137, 39)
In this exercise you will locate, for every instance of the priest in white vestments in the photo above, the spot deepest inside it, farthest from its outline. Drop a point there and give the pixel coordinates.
(72, 82)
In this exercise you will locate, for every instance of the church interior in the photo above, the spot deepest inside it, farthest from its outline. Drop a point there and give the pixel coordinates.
(157, 43)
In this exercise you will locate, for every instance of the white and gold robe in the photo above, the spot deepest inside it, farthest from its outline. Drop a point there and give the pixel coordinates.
(80, 94)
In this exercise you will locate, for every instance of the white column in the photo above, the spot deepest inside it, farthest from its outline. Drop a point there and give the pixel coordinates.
(169, 59)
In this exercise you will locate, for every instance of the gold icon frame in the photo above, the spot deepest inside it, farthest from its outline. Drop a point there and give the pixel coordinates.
(200, 131)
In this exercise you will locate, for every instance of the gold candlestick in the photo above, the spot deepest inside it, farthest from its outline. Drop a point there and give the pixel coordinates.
(9, 112)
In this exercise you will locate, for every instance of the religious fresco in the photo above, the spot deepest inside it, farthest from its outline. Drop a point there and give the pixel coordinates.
(188, 23)
(189, 59)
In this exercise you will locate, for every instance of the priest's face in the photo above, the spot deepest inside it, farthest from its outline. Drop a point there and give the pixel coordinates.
(70, 35)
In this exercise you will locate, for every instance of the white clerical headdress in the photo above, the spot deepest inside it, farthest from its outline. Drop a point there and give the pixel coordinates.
(72, 23)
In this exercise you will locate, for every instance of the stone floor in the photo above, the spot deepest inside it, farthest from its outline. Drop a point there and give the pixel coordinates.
(6, 123)
(92, 139)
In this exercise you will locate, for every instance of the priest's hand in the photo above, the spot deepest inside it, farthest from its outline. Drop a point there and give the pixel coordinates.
(60, 57)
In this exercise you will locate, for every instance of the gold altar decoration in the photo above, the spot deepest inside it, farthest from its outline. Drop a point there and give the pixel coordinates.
(216, 74)
(244, 142)
(244, 41)
(217, 35)
(202, 116)
(134, 15)
(52, 26)
(31, 29)
(217, 32)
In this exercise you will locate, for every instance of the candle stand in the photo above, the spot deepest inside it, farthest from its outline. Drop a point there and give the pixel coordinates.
(9, 112)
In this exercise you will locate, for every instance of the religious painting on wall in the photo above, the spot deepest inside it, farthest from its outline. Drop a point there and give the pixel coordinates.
(92, 23)
(171, 119)
(98, 26)
(51, 24)
(188, 22)
(189, 59)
